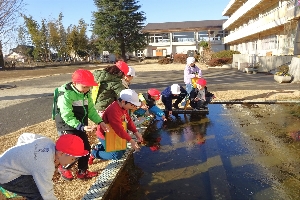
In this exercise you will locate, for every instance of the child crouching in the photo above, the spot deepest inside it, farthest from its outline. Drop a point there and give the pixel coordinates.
(149, 100)
(199, 96)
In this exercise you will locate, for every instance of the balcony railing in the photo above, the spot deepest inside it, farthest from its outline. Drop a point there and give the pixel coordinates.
(273, 18)
(240, 12)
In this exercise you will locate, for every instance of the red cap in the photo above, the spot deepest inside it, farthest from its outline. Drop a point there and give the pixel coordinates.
(71, 145)
(154, 148)
(154, 92)
(201, 81)
(84, 77)
(123, 67)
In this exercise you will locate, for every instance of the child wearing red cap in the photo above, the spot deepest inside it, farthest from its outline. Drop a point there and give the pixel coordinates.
(126, 81)
(199, 96)
(74, 107)
(28, 167)
(110, 80)
(149, 100)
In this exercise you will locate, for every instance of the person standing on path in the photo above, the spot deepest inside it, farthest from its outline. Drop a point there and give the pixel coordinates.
(191, 71)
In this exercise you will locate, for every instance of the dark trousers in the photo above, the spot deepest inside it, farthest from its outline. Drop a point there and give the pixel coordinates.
(178, 98)
(200, 103)
(23, 186)
(82, 161)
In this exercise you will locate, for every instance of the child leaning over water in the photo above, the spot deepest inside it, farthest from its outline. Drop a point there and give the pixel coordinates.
(149, 100)
(115, 115)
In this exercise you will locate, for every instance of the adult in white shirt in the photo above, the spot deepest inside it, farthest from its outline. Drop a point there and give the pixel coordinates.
(27, 169)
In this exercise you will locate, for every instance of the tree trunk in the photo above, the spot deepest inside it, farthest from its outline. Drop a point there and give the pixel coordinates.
(1, 57)
(123, 52)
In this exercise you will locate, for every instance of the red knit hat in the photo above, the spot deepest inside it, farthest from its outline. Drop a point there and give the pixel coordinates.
(71, 145)
(84, 77)
(201, 81)
(123, 67)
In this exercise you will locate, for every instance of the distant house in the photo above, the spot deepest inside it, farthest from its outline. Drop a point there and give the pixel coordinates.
(15, 57)
(19, 53)
(180, 37)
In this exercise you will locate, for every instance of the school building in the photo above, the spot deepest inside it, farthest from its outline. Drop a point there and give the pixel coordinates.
(263, 27)
(179, 37)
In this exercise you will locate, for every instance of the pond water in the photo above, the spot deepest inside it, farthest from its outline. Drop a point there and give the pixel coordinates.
(235, 152)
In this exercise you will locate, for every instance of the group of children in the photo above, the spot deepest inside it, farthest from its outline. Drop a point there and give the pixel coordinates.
(111, 110)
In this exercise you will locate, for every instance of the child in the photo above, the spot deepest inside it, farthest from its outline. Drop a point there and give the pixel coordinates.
(149, 100)
(27, 169)
(191, 71)
(115, 114)
(173, 92)
(200, 97)
(110, 80)
(74, 108)
(128, 77)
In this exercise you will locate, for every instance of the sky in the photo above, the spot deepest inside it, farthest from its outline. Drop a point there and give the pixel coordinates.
(156, 11)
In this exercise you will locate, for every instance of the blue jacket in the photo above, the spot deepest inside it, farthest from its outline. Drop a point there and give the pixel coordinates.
(167, 96)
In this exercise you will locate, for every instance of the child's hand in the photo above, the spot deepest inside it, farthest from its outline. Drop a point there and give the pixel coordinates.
(144, 106)
(89, 128)
(139, 137)
(164, 118)
(134, 145)
(104, 127)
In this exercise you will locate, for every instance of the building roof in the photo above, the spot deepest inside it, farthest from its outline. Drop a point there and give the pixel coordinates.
(184, 26)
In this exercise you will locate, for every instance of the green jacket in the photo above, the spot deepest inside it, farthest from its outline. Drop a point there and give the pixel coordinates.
(109, 89)
(74, 109)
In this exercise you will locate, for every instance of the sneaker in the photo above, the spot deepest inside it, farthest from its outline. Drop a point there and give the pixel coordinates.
(91, 159)
(175, 106)
(86, 175)
(65, 173)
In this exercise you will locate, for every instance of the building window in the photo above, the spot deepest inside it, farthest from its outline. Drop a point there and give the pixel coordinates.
(159, 38)
(183, 37)
(269, 42)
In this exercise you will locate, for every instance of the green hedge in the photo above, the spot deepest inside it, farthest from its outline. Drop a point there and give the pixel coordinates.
(225, 54)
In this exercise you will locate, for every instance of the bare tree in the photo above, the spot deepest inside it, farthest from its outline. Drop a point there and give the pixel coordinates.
(9, 13)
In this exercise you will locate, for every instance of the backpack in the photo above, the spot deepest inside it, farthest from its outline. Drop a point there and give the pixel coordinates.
(95, 91)
(55, 109)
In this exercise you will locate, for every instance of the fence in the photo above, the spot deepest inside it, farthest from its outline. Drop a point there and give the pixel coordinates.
(267, 63)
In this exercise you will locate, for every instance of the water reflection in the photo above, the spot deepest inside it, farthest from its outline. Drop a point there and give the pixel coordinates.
(233, 153)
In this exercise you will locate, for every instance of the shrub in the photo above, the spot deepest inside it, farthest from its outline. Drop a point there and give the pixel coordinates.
(180, 58)
(165, 61)
(203, 44)
(225, 54)
(219, 61)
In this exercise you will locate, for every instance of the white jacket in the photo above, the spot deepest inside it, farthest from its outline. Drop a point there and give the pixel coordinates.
(33, 155)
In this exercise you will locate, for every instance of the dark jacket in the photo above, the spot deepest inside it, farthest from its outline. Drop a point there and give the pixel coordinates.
(74, 109)
(195, 92)
(167, 97)
(149, 101)
(109, 89)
